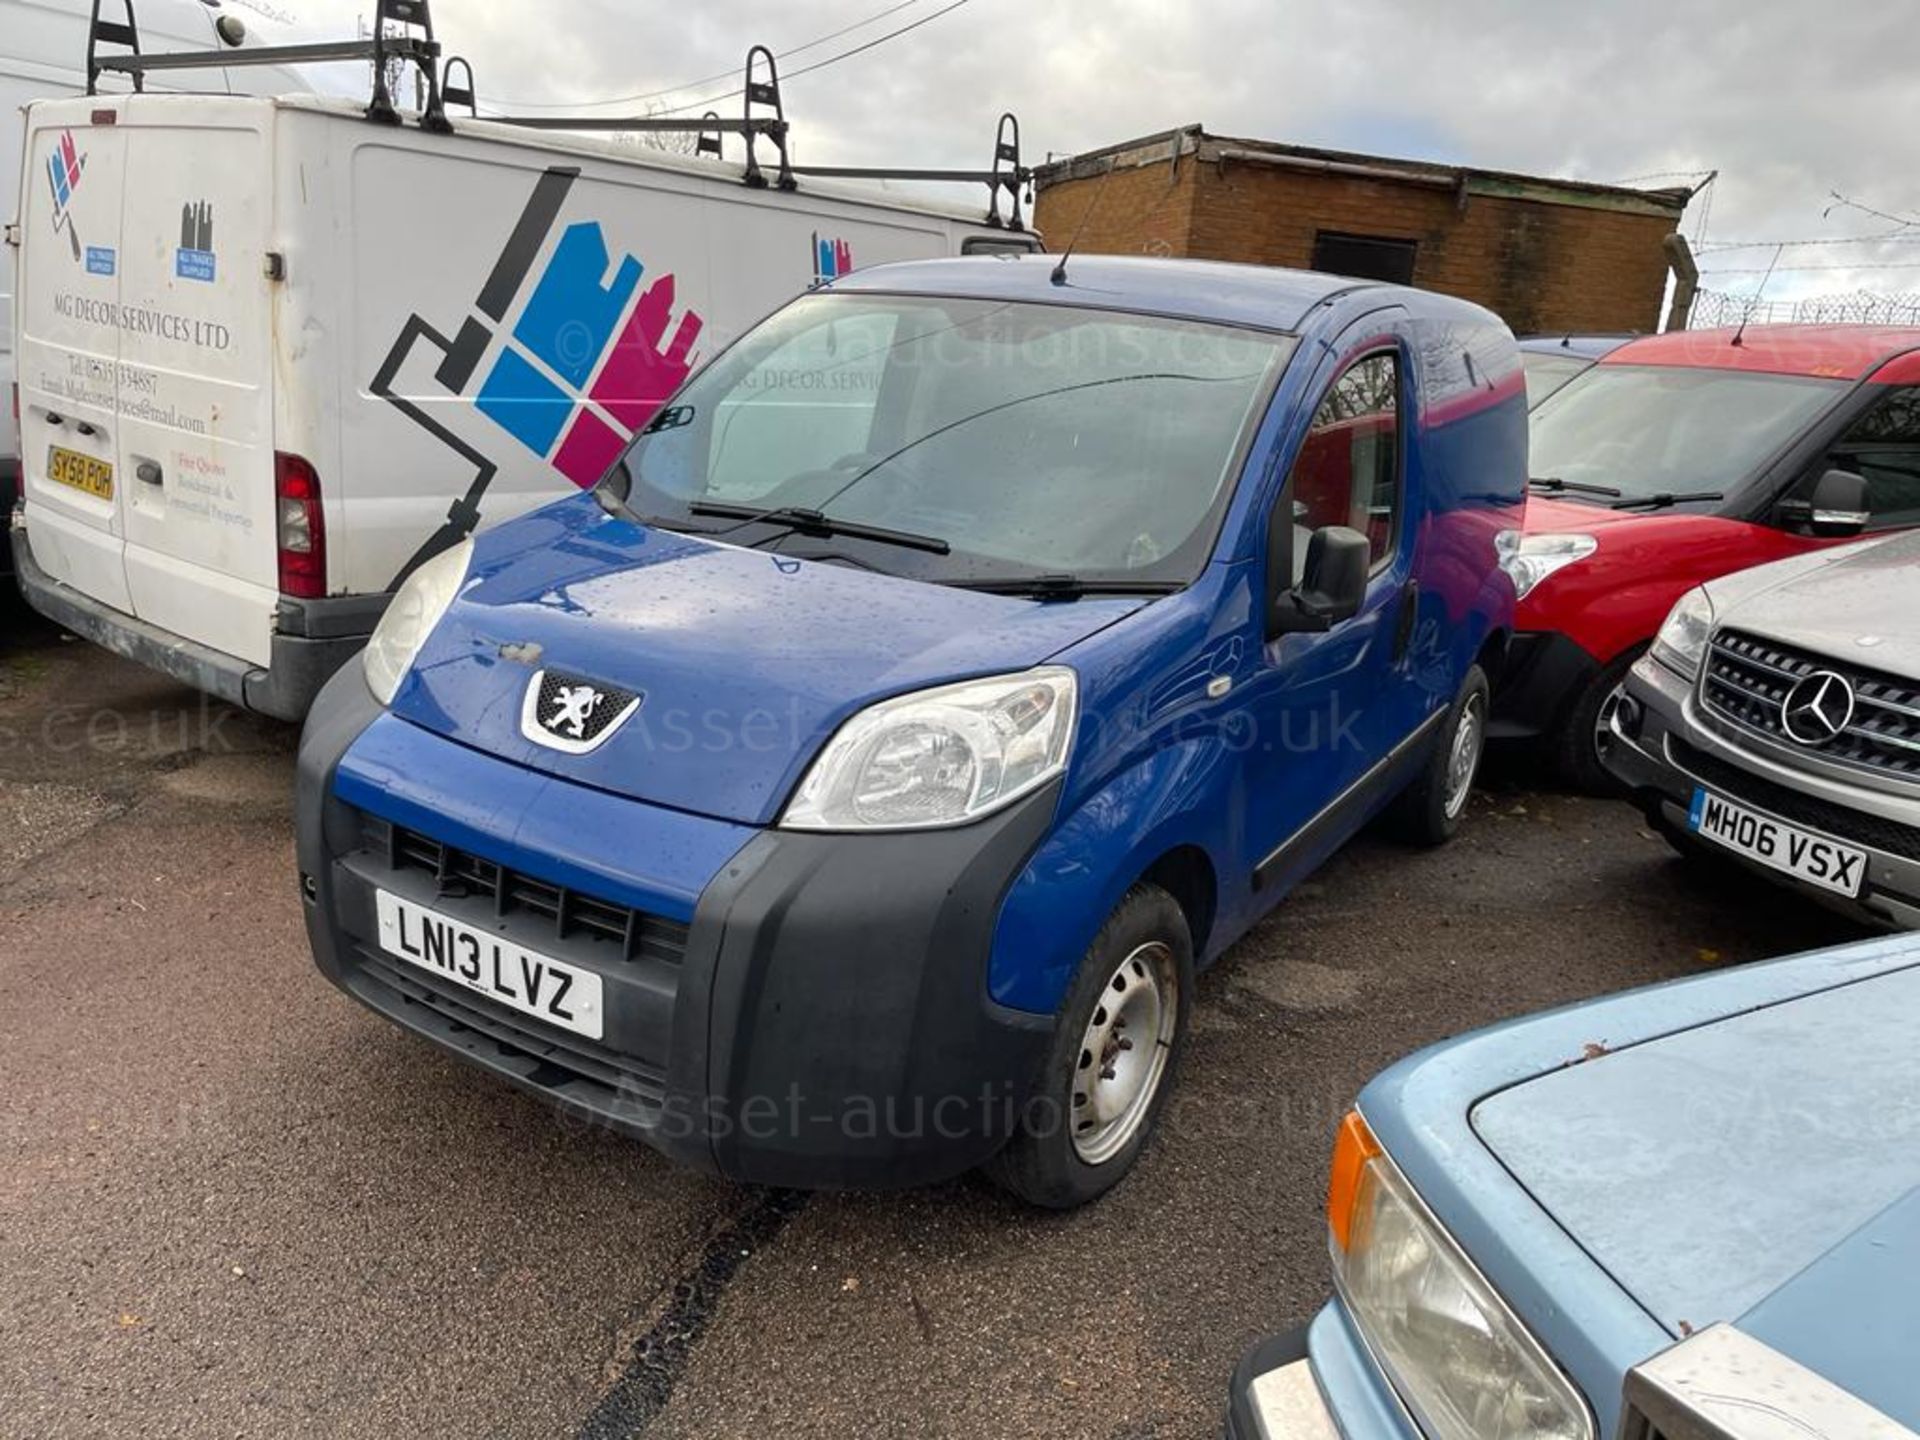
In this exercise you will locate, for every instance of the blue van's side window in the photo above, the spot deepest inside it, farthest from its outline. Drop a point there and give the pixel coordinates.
(1348, 469)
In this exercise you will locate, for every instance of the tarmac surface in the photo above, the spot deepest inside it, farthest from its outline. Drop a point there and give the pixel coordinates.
(234, 1203)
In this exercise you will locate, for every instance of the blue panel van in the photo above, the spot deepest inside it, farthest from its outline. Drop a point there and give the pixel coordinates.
(845, 791)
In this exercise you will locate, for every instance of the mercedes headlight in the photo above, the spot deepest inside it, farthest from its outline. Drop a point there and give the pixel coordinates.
(1529, 559)
(1682, 641)
(410, 617)
(1458, 1357)
(940, 757)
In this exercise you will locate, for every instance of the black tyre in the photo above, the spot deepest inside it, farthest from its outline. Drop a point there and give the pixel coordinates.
(1576, 749)
(1429, 810)
(1112, 1061)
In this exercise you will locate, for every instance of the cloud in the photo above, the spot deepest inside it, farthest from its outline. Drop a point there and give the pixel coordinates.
(1789, 102)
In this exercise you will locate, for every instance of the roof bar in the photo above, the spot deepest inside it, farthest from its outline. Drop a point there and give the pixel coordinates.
(266, 55)
(887, 172)
(1007, 173)
(764, 93)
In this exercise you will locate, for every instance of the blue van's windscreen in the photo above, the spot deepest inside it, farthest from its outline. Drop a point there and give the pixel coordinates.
(1027, 439)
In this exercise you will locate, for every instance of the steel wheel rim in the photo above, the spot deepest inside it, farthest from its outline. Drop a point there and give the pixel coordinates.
(1463, 760)
(1123, 1053)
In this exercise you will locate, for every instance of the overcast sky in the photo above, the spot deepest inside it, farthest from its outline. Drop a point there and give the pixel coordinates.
(1789, 101)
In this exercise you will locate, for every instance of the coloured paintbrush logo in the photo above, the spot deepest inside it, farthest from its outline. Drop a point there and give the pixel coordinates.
(64, 168)
(582, 355)
(832, 258)
(588, 361)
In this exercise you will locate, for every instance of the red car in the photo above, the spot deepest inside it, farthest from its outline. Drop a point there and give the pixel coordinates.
(1678, 458)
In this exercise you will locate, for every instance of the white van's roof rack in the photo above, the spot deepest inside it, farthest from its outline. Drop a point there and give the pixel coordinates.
(402, 31)
(411, 42)
(761, 88)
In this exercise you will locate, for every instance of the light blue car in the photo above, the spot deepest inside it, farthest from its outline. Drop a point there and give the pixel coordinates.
(1684, 1212)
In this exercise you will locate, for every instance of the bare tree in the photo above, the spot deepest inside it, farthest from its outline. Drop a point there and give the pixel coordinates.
(1369, 388)
(396, 67)
(674, 142)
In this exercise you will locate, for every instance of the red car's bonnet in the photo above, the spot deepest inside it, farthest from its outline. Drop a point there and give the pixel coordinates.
(1617, 596)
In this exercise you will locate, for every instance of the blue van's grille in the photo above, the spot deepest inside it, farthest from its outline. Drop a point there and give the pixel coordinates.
(562, 1059)
(460, 873)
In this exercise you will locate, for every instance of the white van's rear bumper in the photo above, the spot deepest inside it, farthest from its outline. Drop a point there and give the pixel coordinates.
(315, 639)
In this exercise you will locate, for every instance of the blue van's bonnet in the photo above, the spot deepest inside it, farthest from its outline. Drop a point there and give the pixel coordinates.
(748, 660)
(1209, 755)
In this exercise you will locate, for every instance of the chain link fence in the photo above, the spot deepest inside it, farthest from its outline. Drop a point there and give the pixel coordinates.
(1713, 308)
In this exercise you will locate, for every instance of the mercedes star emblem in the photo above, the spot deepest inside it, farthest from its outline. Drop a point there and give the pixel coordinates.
(1817, 708)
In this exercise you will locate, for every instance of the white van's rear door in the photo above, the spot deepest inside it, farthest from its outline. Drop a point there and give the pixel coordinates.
(194, 444)
(69, 350)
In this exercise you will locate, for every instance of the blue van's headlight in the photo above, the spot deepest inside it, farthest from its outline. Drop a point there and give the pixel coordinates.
(410, 616)
(940, 757)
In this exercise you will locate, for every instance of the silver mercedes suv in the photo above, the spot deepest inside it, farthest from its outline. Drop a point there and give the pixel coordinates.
(1777, 720)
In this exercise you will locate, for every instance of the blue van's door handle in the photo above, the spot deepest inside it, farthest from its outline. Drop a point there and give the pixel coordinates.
(1409, 611)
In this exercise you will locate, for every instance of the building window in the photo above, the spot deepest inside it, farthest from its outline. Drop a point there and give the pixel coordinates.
(1365, 257)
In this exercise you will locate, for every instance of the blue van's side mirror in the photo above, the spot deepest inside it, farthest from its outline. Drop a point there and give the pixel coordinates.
(1332, 587)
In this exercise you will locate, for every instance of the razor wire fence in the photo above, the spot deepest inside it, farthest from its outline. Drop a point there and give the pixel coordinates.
(1713, 308)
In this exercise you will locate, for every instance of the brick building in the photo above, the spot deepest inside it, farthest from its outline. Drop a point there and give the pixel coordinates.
(1546, 255)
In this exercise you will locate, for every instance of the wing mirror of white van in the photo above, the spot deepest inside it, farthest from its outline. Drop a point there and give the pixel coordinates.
(1332, 587)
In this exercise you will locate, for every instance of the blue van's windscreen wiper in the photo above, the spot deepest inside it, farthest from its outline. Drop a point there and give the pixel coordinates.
(812, 522)
(1067, 587)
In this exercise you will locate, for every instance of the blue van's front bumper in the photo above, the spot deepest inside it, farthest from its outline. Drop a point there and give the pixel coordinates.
(782, 1008)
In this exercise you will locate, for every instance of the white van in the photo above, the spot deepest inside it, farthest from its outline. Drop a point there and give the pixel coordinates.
(43, 54)
(273, 355)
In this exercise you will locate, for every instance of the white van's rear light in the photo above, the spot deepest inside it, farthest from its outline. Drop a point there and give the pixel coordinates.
(302, 528)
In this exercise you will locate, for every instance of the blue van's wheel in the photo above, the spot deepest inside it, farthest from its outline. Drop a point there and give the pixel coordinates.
(1429, 810)
(1110, 1066)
